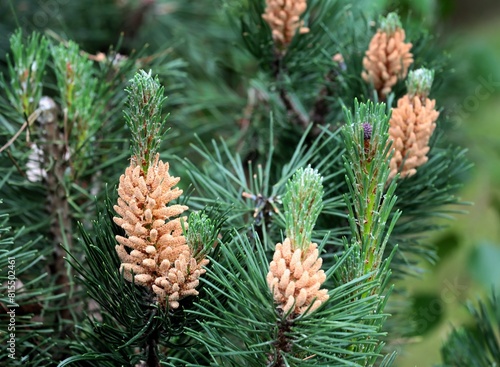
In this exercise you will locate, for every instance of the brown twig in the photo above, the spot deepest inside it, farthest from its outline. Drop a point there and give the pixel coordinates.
(152, 348)
(293, 111)
(153, 360)
(321, 106)
(253, 98)
(296, 115)
(57, 199)
(32, 118)
(14, 162)
(283, 343)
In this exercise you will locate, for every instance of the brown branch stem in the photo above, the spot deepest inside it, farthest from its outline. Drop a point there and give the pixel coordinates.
(283, 343)
(293, 111)
(321, 106)
(57, 201)
(27, 123)
(152, 349)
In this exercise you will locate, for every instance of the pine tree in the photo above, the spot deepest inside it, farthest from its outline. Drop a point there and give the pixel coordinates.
(262, 223)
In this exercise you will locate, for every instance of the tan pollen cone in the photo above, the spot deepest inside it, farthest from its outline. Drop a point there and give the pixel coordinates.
(283, 16)
(412, 123)
(154, 248)
(295, 278)
(387, 60)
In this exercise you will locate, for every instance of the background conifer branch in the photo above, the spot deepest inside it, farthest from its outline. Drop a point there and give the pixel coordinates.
(34, 340)
(477, 344)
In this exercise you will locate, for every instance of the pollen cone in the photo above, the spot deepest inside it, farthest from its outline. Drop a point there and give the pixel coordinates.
(387, 60)
(295, 278)
(153, 251)
(283, 16)
(412, 123)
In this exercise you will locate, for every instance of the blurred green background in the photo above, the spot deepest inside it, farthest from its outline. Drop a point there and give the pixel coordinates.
(469, 248)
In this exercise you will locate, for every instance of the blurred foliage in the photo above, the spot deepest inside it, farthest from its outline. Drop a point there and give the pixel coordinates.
(483, 264)
(470, 245)
(477, 344)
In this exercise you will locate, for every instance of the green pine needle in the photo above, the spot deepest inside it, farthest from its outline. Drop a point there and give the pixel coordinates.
(478, 344)
(26, 70)
(390, 23)
(303, 203)
(144, 117)
(367, 167)
(202, 231)
(79, 96)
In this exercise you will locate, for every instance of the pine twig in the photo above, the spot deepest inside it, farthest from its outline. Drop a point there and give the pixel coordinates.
(282, 344)
(292, 110)
(321, 106)
(152, 347)
(31, 119)
(57, 200)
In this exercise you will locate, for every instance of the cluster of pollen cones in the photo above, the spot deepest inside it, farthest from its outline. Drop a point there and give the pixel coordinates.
(413, 120)
(412, 123)
(153, 251)
(387, 60)
(283, 16)
(295, 278)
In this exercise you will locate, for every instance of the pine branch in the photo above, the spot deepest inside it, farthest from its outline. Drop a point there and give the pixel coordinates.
(293, 111)
(57, 204)
(143, 116)
(27, 339)
(366, 164)
(152, 349)
(237, 294)
(253, 192)
(63, 142)
(321, 108)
